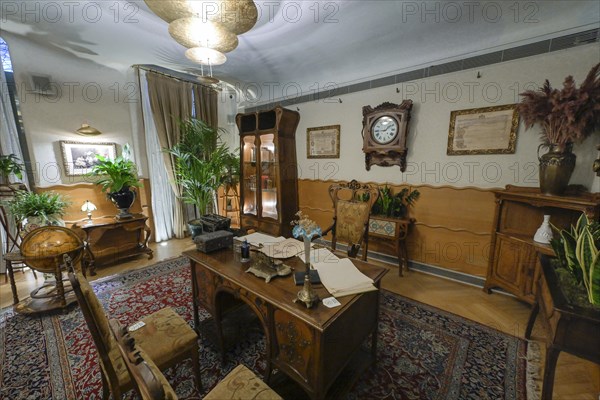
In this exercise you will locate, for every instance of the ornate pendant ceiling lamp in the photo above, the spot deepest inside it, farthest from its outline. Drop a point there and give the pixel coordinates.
(205, 56)
(193, 32)
(237, 16)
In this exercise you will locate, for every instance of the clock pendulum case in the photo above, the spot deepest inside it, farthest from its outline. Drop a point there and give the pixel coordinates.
(384, 132)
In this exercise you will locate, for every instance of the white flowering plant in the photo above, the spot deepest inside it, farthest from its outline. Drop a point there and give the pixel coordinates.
(305, 227)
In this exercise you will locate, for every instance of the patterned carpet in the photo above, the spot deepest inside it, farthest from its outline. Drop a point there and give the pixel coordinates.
(424, 353)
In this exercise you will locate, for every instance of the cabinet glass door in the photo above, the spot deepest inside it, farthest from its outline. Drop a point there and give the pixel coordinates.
(249, 175)
(269, 179)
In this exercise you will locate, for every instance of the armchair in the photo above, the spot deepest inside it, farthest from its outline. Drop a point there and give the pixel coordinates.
(166, 338)
(352, 209)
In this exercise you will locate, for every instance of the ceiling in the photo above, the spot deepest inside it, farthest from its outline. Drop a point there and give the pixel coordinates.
(298, 47)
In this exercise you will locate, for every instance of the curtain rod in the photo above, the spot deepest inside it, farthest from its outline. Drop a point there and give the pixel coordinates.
(145, 68)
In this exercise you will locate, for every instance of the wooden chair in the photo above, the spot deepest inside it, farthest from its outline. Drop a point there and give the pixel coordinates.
(13, 258)
(240, 384)
(351, 215)
(148, 381)
(166, 338)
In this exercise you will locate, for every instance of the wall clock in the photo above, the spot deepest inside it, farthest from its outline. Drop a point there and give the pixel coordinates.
(385, 128)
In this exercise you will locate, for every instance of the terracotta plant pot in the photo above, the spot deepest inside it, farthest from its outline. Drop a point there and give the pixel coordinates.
(556, 168)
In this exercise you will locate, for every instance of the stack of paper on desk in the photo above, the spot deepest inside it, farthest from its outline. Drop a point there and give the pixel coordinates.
(342, 278)
(283, 249)
(322, 255)
(260, 239)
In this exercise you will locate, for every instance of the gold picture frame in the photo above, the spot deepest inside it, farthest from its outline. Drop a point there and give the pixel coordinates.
(488, 130)
(323, 142)
(80, 157)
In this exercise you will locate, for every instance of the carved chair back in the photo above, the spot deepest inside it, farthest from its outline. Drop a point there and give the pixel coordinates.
(147, 379)
(97, 322)
(352, 203)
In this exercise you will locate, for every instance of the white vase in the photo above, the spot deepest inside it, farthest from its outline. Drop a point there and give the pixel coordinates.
(544, 232)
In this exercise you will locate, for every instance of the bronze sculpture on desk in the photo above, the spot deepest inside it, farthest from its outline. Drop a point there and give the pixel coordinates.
(307, 229)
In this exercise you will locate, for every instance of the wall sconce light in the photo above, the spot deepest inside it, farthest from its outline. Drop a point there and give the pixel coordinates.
(87, 130)
(88, 207)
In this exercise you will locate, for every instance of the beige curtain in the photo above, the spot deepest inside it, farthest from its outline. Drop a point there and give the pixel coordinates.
(171, 102)
(205, 105)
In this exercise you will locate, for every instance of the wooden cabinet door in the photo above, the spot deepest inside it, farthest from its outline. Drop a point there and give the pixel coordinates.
(507, 268)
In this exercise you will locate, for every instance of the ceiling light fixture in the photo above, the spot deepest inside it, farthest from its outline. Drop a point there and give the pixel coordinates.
(205, 56)
(87, 130)
(237, 16)
(194, 32)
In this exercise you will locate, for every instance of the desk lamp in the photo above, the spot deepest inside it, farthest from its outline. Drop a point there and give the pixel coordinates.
(88, 207)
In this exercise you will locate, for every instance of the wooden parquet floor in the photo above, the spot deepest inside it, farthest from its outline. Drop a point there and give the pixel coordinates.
(576, 379)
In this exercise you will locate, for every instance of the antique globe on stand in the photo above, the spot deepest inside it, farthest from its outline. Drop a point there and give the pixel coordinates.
(44, 250)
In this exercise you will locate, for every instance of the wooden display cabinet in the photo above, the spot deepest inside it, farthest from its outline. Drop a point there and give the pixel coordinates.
(269, 178)
(513, 264)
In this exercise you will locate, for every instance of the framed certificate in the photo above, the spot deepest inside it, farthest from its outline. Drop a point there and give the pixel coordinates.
(323, 142)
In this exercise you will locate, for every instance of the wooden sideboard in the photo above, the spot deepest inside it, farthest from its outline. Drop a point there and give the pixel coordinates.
(569, 327)
(513, 261)
(108, 240)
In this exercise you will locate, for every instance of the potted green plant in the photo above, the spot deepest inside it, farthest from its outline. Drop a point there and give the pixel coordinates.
(33, 210)
(393, 205)
(578, 253)
(10, 164)
(202, 165)
(566, 116)
(118, 177)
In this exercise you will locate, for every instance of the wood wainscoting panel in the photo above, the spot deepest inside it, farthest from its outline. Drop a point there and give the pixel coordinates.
(468, 208)
(452, 230)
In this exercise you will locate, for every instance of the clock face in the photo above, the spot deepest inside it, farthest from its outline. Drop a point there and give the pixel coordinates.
(385, 129)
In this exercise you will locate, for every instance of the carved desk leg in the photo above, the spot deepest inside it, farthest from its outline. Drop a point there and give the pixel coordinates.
(534, 312)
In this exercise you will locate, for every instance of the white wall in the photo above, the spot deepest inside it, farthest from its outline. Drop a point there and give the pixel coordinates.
(88, 92)
(434, 98)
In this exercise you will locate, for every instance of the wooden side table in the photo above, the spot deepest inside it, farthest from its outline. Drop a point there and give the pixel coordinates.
(570, 328)
(108, 240)
(395, 230)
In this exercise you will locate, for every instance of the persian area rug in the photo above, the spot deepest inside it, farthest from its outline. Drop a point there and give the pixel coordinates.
(424, 353)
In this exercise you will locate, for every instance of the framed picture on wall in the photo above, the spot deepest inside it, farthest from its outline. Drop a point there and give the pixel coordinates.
(80, 157)
(489, 130)
(323, 142)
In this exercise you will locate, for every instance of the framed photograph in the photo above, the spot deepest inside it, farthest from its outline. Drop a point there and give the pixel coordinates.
(323, 142)
(489, 130)
(80, 157)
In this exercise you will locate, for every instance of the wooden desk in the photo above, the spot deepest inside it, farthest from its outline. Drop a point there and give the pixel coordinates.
(312, 347)
(571, 328)
(108, 240)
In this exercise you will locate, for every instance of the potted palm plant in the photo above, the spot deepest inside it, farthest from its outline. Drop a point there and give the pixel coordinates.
(118, 177)
(33, 210)
(202, 165)
(566, 116)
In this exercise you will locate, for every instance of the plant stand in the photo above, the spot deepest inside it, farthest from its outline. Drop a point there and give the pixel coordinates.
(570, 328)
(395, 230)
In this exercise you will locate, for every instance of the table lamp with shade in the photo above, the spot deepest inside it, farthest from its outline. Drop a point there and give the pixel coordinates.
(88, 207)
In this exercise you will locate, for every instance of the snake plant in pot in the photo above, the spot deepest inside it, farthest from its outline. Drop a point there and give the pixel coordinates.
(202, 166)
(118, 177)
(578, 253)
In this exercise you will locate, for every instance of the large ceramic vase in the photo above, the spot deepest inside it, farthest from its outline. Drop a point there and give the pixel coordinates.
(556, 168)
(123, 199)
